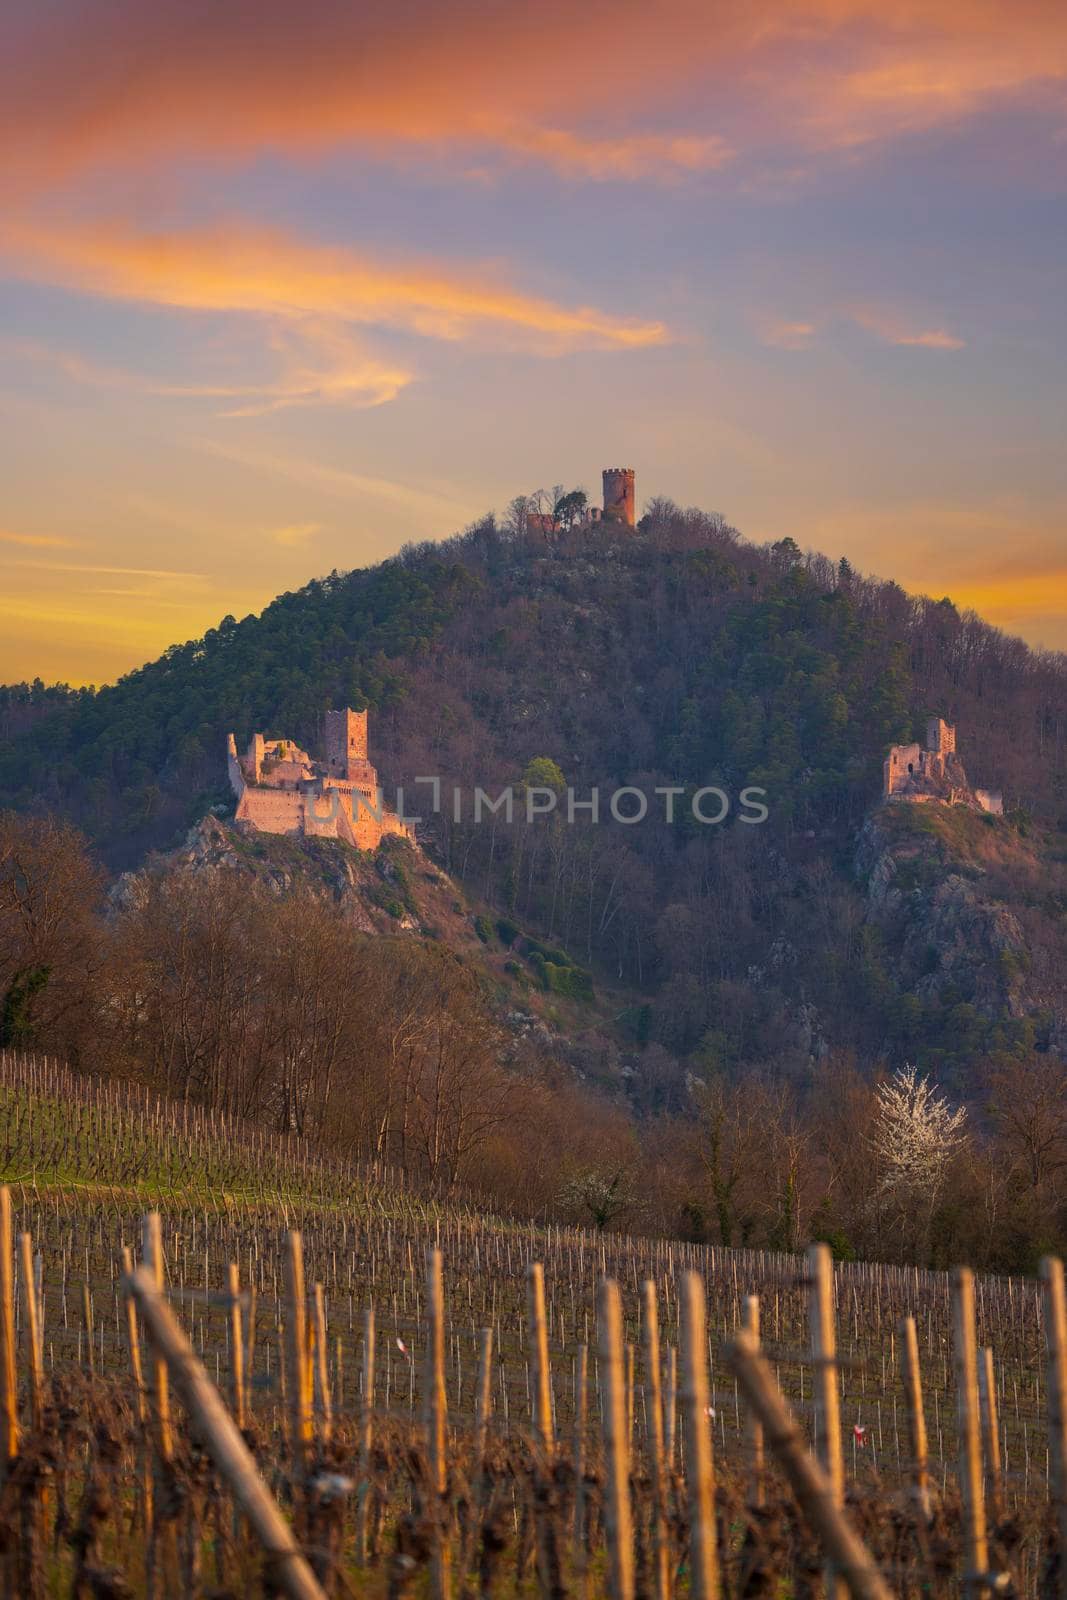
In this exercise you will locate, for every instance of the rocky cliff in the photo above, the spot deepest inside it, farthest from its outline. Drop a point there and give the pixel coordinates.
(969, 912)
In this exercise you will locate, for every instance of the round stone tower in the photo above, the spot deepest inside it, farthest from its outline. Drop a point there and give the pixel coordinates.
(619, 495)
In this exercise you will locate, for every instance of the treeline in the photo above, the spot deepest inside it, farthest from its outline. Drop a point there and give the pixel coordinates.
(214, 990)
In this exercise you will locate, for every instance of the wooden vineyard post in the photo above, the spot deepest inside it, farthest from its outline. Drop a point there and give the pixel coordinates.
(365, 1434)
(987, 1396)
(670, 1408)
(483, 1398)
(288, 1569)
(617, 1514)
(87, 1325)
(140, 1398)
(824, 1378)
(542, 1375)
(436, 1426)
(322, 1364)
(1055, 1309)
(237, 1352)
(296, 1329)
(250, 1349)
(152, 1252)
(970, 1438)
(654, 1423)
(9, 1415)
(581, 1404)
(699, 1459)
(754, 1426)
(811, 1485)
(913, 1401)
(824, 1364)
(33, 1330)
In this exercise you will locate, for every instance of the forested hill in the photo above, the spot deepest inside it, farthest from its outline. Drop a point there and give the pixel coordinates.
(674, 656)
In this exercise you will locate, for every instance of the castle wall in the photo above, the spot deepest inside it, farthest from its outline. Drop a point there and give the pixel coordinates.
(272, 810)
(254, 759)
(277, 774)
(901, 764)
(233, 768)
(292, 795)
(934, 773)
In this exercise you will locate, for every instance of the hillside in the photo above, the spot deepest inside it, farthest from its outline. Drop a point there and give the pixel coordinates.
(679, 655)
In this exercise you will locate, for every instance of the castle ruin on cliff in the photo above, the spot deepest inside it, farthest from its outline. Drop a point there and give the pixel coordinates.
(280, 789)
(934, 772)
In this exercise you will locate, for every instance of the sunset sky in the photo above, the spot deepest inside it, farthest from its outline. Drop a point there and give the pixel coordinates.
(284, 286)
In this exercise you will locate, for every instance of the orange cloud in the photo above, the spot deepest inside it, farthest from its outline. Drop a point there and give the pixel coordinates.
(243, 269)
(126, 572)
(36, 541)
(123, 83)
(888, 327)
(321, 365)
(639, 156)
(296, 534)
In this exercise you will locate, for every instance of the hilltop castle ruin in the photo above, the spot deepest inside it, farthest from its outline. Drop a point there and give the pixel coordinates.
(934, 773)
(280, 789)
(619, 505)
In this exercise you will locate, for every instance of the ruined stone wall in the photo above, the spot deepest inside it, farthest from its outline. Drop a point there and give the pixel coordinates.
(254, 759)
(935, 773)
(272, 810)
(290, 794)
(940, 737)
(233, 768)
(901, 764)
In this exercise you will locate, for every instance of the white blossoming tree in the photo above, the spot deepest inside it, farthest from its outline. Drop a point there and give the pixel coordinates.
(916, 1134)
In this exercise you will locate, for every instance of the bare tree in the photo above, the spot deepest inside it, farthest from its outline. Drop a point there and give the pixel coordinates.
(914, 1138)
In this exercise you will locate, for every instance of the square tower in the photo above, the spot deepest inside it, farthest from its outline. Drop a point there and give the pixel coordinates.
(345, 740)
(940, 737)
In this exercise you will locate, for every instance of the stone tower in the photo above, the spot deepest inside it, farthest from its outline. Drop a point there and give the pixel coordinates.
(619, 495)
(940, 736)
(346, 741)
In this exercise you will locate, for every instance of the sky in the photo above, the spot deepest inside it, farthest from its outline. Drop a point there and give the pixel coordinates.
(285, 287)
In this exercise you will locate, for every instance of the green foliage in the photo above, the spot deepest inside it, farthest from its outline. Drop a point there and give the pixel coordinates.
(547, 952)
(572, 982)
(483, 927)
(841, 1247)
(543, 773)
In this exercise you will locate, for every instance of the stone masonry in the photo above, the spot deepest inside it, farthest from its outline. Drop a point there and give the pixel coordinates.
(280, 789)
(934, 772)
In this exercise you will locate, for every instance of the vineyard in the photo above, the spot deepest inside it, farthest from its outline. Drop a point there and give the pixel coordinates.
(437, 1401)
